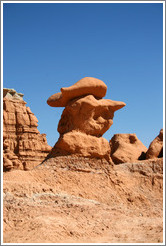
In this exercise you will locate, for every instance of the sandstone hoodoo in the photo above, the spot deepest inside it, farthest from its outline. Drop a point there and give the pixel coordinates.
(23, 145)
(126, 148)
(85, 119)
(155, 149)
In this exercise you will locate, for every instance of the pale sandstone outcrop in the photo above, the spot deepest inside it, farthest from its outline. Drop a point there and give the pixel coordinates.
(155, 149)
(85, 119)
(126, 148)
(23, 145)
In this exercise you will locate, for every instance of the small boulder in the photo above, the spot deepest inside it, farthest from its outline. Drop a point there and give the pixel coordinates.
(126, 148)
(7, 164)
(155, 149)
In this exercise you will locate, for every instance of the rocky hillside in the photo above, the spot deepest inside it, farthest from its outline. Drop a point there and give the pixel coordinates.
(83, 200)
(85, 189)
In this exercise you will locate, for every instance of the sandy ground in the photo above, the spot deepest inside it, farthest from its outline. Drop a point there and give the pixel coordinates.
(78, 200)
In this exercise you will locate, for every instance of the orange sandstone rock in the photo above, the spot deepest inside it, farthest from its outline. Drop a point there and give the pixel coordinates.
(89, 115)
(85, 119)
(81, 144)
(22, 142)
(126, 148)
(85, 86)
(156, 147)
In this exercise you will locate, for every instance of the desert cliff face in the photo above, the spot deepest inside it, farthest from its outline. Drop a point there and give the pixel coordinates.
(23, 145)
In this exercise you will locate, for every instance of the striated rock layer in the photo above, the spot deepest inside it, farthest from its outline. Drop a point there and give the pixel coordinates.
(23, 145)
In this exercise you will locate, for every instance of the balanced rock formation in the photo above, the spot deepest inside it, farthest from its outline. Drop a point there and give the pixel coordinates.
(85, 119)
(126, 148)
(23, 145)
(155, 149)
(85, 86)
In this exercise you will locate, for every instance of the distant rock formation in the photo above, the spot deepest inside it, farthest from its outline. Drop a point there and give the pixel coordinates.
(85, 119)
(155, 149)
(126, 148)
(23, 145)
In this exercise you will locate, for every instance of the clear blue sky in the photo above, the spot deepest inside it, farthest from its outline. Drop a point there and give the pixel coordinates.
(52, 45)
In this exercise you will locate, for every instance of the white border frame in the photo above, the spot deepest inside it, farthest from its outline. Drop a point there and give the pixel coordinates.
(163, 2)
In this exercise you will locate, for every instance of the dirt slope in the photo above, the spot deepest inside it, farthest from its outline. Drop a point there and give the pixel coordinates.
(81, 200)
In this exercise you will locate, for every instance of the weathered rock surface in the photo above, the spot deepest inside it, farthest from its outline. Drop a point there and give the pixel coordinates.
(85, 86)
(85, 119)
(126, 148)
(81, 144)
(83, 200)
(88, 115)
(155, 149)
(23, 145)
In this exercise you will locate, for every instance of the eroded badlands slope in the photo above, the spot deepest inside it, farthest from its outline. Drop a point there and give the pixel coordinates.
(93, 203)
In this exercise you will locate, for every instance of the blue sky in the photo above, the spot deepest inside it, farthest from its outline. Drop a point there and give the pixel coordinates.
(52, 45)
